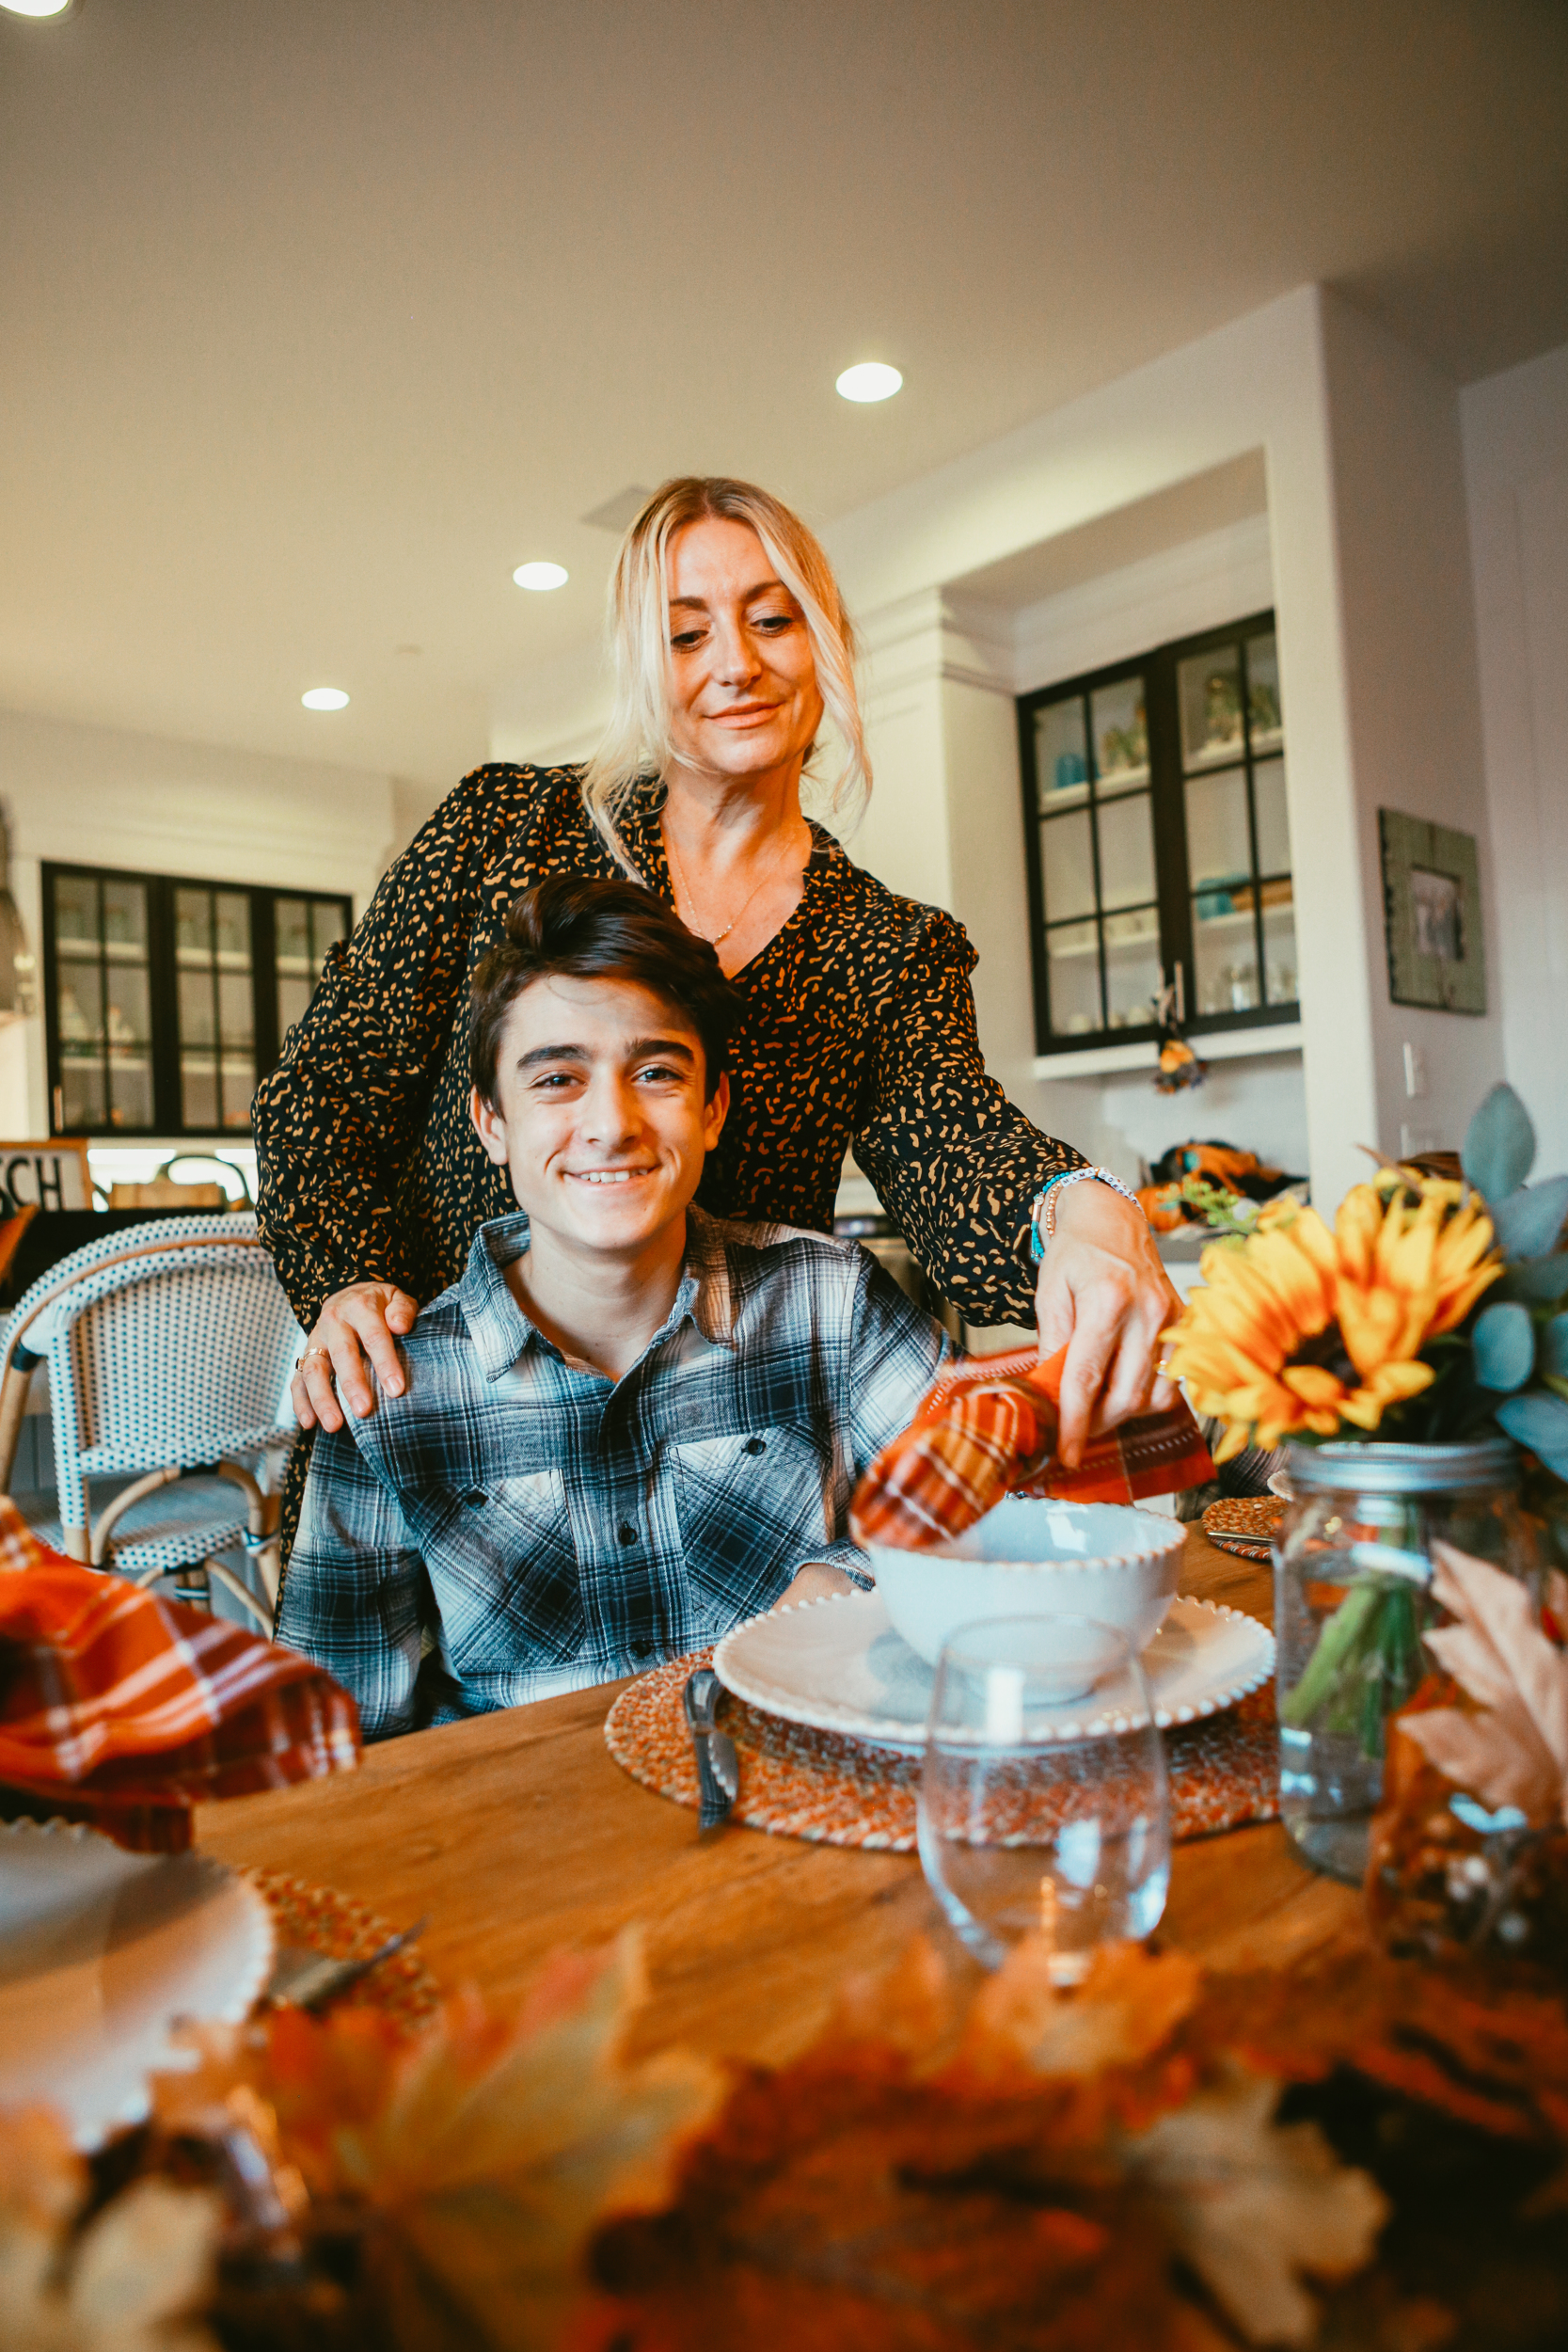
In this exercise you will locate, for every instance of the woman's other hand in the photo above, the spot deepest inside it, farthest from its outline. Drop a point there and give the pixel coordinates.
(365, 1320)
(1102, 1288)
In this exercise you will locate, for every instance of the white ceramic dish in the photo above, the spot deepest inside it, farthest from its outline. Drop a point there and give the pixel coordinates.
(1036, 1558)
(839, 1665)
(100, 1952)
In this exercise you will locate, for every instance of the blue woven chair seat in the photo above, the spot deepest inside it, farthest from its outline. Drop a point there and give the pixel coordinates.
(176, 1527)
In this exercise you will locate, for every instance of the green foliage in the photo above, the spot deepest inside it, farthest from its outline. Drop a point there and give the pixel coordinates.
(1500, 1145)
(1503, 1344)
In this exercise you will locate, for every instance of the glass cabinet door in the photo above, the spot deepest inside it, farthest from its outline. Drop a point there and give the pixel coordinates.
(1097, 869)
(102, 1003)
(305, 928)
(216, 1006)
(1238, 832)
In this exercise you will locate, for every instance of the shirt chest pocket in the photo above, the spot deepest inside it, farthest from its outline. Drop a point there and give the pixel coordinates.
(504, 1568)
(752, 1508)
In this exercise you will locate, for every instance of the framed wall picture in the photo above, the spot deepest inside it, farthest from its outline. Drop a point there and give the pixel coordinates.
(54, 1174)
(1432, 914)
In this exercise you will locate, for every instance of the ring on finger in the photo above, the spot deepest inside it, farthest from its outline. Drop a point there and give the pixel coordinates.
(300, 1361)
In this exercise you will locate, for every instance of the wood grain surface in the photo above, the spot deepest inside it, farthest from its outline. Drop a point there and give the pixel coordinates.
(516, 1833)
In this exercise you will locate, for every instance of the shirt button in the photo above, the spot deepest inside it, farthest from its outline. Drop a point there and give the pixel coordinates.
(626, 1533)
(755, 1445)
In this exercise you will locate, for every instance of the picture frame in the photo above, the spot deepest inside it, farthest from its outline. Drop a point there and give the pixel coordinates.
(1432, 914)
(53, 1172)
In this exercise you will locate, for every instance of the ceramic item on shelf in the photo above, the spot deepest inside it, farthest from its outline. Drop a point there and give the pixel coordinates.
(839, 1665)
(1352, 1575)
(100, 1952)
(1036, 1558)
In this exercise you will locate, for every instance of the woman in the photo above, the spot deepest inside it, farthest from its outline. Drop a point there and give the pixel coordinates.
(731, 645)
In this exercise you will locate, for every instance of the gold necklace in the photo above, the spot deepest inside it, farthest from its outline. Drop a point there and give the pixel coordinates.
(714, 939)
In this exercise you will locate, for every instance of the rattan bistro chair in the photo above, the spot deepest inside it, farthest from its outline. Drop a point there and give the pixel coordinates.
(170, 1349)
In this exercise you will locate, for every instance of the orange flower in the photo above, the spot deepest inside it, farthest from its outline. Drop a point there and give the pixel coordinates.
(1296, 1330)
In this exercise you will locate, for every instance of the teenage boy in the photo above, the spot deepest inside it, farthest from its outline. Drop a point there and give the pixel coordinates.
(628, 1425)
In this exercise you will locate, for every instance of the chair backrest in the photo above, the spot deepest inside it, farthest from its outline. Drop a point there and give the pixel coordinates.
(29, 1320)
(167, 1359)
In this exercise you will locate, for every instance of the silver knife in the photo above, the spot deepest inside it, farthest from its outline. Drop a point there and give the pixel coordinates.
(718, 1772)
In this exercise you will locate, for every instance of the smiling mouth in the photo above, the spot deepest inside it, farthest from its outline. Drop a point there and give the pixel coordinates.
(606, 1175)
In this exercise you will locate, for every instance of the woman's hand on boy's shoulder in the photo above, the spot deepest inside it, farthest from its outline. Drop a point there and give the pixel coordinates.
(356, 1332)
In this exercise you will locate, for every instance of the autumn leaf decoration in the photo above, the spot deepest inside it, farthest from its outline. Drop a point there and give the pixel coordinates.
(1511, 1745)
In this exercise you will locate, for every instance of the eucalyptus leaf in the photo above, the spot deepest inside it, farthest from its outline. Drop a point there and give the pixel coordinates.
(1537, 1421)
(1500, 1145)
(1543, 1280)
(1554, 1345)
(1529, 1220)
(1503, 1342)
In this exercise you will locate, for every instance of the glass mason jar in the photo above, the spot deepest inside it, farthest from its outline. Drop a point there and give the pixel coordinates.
(1353, 1576)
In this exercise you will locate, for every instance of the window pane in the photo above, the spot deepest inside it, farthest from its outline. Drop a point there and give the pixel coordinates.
(81, 1007)
(292, 998)
(128, 1020)
(1218, 849)
(1132, 971)
(192, 922)
(1274, 825)
(326, 928)
(1068, 859)
(293, 919)
(1264, 709)
(1121, 735)
(196, 1009)
(1279, 944)
(1209, 687)
(125, 913)
(131, 1093)
(198, 1091)
(1225, 952)
(75, 908)
(239, 1085)
(231, 925)
(236, 1012)
(81, 1095)
(1125, 851)
(1061, 754)
(1073, 978)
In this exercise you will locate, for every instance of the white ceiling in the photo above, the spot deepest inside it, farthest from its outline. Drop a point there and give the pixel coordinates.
(320, 315)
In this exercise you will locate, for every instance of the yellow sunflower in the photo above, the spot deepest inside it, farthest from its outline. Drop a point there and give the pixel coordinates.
(1298, 1330)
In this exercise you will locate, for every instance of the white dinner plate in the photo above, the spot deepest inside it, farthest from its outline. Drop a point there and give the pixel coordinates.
(100, 1952)
(837, 1665)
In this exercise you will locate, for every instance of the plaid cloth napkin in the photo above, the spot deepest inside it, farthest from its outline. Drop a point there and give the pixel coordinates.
(988, 1429)
(125, 1711)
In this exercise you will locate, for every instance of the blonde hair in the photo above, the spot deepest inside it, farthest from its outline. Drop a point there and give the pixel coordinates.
(636, 739)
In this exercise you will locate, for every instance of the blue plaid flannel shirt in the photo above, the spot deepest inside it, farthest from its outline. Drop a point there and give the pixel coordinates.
(517, 1524)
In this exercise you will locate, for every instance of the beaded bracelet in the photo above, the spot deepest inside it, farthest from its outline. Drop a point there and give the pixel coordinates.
(1043, 1210)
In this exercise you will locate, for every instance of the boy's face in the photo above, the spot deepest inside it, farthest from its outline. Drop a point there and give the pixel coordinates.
(600, 1117)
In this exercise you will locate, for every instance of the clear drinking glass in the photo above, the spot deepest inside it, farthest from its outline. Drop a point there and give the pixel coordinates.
(1043, 1804)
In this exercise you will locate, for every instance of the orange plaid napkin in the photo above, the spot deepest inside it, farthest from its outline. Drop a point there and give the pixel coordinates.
(988, 1429)
(125, 1711)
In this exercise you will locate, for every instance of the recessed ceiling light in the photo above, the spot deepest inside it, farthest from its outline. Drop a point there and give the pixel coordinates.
(540, 576)
(324, 698)
(871, 380)
(35, 8)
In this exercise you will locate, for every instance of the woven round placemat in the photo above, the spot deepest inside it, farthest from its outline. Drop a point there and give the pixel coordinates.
(401, 1988)
(799, 1783)
(1245, 1523)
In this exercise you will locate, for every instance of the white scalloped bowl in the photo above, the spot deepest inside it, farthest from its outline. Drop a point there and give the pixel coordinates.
(1036, 1558)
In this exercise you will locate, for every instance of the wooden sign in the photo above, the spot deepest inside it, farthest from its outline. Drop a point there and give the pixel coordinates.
(51, 1175)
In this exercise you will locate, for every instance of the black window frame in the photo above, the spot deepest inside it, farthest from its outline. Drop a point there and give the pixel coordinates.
(1160, 669)
(163, 968)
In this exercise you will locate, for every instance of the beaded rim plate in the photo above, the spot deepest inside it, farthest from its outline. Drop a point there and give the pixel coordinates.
(837, 1665)
(100, 1952)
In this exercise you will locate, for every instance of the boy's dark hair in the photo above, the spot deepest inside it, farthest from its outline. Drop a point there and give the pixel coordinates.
(599, 931)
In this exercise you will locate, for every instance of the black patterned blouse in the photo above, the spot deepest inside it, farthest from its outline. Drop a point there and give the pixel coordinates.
(859, 1030)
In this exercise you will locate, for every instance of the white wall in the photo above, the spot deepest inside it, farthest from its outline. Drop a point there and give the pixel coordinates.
(1515, 433)
(102, 797)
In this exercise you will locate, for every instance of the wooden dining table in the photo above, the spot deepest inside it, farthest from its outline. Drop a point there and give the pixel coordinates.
(516, 1833)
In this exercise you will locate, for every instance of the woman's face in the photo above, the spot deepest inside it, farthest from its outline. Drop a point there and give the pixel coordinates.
(744, 697)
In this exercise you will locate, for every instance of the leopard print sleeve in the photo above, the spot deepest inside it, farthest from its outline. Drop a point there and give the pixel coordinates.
(337, 1121)
(954, 1162)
